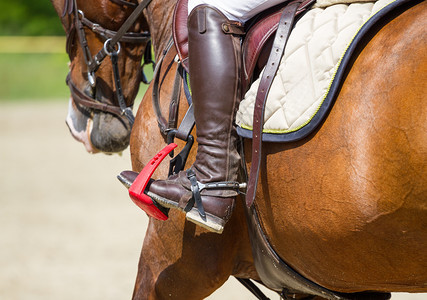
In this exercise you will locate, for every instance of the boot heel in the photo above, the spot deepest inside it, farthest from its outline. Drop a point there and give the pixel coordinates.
(212, 223)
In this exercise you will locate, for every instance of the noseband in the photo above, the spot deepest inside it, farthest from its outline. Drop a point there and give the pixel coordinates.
(112, 41)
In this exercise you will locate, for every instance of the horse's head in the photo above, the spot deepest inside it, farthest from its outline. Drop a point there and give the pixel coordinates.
(102, 93)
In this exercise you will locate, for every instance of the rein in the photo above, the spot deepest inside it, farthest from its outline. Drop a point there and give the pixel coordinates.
(112, 39)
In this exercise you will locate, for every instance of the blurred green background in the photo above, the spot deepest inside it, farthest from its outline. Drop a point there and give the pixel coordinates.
(33, 61)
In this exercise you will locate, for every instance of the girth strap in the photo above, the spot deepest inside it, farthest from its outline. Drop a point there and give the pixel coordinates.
(283, 31)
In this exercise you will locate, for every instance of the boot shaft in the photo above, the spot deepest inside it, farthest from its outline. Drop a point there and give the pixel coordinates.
(215, 70)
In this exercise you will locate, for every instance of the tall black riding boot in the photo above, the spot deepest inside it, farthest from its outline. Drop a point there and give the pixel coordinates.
(208, 189)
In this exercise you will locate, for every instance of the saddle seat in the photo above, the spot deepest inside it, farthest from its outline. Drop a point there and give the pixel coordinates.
(257, 43)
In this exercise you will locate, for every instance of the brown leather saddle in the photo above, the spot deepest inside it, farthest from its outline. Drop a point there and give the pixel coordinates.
(257, 43)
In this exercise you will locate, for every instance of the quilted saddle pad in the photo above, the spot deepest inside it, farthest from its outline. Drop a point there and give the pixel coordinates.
(312, 58)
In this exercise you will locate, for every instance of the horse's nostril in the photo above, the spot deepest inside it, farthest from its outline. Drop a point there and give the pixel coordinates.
(110, 133)
(79, 124)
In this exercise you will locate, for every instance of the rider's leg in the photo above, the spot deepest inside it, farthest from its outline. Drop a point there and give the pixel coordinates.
(237, 10)
(215, 64)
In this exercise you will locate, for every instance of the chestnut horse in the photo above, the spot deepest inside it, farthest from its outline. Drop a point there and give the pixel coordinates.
(101, 127)
(345, 207)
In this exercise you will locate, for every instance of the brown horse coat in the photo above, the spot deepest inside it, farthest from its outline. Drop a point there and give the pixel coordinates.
(345, 207)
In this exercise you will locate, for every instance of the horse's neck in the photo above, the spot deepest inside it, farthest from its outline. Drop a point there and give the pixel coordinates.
(159, 15)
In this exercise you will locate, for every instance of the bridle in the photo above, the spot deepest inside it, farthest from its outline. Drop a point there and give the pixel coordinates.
(112, 41)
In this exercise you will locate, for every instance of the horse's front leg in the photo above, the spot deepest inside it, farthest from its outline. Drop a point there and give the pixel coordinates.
(180, 260)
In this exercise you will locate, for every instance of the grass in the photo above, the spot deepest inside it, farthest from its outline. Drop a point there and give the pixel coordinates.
(34, 69)
(33, 76)
(32, 44)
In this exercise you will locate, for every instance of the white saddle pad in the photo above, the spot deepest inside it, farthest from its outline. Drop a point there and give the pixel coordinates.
(312, 56)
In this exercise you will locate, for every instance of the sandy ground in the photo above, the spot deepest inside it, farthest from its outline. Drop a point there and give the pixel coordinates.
(67, 227)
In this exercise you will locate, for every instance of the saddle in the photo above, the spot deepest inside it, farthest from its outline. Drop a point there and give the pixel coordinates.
(257, 43)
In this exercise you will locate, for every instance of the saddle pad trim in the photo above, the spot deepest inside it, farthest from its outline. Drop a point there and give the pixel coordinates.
(326, 104)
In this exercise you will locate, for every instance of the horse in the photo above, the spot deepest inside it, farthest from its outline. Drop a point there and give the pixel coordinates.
(345, 207)
(102, 97)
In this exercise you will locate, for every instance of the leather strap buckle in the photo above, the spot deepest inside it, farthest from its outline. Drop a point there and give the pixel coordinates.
(197, 198)
(233, 28)
(178, 162)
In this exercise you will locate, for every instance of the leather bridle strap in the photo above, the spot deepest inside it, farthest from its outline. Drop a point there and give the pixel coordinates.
(283, 31)
(129, 37)
(68, 8)
(127, 111)
(100, 56)
(93, 63)
(84, 100)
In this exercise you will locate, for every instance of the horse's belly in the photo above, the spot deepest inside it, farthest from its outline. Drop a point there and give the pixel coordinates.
(350, 217)
(347, 207)
(343, 230)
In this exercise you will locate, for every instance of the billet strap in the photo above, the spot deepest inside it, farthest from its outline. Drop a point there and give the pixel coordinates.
(282, 34)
